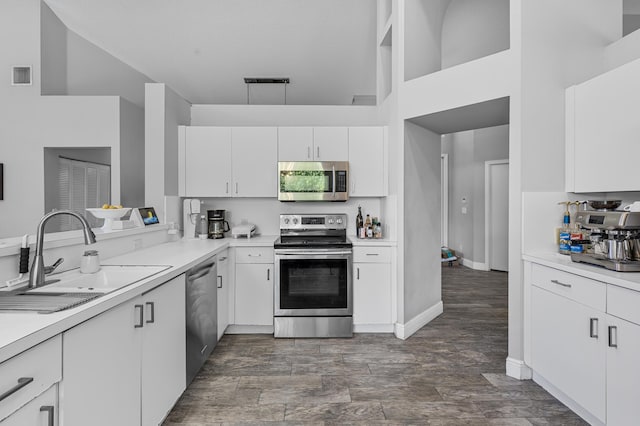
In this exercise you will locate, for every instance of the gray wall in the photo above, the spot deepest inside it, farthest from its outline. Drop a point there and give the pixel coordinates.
(131, 154)
(72, 65)
(473, 29)
(422, 272)
(423, 27)
(468, 152)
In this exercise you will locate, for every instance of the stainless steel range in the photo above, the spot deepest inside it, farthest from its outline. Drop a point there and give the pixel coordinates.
(313, 277)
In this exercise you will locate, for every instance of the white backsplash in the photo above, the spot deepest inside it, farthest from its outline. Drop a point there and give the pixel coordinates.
(265, 212)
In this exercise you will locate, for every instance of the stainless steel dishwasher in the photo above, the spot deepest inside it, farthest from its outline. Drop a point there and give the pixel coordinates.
(201, 314)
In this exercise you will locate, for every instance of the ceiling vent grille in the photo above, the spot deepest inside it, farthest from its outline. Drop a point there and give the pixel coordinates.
(21, 76)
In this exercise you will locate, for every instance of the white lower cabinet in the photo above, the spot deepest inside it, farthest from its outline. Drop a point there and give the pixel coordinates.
(127, 366)
(254, 286)
(585, 342)
(372, 289)
(567, 348)
(41, 411)
(223, 293)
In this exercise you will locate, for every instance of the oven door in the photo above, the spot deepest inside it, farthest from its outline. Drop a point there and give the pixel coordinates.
(313, 282)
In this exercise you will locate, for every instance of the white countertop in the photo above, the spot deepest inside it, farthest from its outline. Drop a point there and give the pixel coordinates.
(630, 280)
(364, 242)
(21, 330)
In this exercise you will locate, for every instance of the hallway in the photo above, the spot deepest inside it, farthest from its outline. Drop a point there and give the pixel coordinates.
(451, 372)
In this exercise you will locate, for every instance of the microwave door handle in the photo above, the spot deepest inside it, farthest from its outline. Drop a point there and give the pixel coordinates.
(333, 170)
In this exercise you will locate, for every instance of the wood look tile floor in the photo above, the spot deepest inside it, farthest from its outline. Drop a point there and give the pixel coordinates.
(451, 372)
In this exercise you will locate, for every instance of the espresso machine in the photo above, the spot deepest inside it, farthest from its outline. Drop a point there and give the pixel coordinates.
(614, 237)
(218, 224)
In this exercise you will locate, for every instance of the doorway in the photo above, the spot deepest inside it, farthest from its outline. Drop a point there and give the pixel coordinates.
(497, 215)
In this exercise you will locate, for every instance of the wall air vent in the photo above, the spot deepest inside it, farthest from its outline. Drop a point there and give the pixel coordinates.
(21, 76)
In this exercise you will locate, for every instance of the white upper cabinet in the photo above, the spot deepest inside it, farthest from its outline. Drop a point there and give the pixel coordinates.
(313, 144)
(367, 162)
(295, 144)
(227, 162)
(331, 143)
(603, 132)
(207, 162)
(254, 161)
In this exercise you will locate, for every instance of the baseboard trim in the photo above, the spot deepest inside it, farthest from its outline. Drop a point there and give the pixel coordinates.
(566, 400)
(373, 328)
(518, 369)
(475, 265)
(249, 329)
(404, 331)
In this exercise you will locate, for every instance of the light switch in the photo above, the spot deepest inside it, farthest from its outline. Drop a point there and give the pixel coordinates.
(464, 210)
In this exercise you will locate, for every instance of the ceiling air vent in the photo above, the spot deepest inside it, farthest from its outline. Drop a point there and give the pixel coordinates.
(21, 76)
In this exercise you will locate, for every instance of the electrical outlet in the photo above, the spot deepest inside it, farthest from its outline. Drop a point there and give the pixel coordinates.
(137, 244)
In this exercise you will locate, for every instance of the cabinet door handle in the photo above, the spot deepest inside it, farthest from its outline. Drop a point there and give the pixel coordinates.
(593, 322)
(219, 281)
(308, 153)
(226, 191)
(22, 382)
(152, 312)
(140, 309)
(318, 151)
(268, 274)
(613, 336)
(357, 273)
(49, 410)
(560, 283)
(236, 187)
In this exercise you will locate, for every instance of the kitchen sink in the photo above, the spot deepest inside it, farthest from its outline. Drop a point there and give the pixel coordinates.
(72, 288)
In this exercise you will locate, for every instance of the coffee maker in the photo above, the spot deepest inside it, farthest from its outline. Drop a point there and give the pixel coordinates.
(217, 223)
(615, 239)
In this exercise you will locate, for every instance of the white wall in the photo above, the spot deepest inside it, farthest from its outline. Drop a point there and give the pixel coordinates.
(421, 242)
(264, 212)
(284, 115)
(164, 112)
(53, 35)
(472, 29)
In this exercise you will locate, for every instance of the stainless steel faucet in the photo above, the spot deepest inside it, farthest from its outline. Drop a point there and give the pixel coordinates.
(38, 270)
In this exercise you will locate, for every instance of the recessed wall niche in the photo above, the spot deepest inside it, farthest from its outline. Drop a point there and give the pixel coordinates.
(443, 33)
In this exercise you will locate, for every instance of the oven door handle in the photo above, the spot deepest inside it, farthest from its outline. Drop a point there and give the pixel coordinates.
(318, 252)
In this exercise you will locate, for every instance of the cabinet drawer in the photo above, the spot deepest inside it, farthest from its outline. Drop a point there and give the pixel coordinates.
(583, 290)
(372, 254)
(42, 364)
(254, 255)
(623, 303)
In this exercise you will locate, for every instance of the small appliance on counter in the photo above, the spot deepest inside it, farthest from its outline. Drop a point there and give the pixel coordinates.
(243, 230)
(218, 224)
(614, 239)
(190, 217)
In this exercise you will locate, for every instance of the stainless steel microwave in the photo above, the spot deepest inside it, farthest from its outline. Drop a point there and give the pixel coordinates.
(313, 180)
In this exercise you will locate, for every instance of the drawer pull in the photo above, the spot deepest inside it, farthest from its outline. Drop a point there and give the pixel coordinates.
(219, 281)
(592, 333)
(560, 283)
(49, 410)
(254, 255)
(613, 336)
(22, 382)
(372, 254)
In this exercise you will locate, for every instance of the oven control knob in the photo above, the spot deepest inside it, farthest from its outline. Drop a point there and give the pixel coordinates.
(330, 221)
(295, 220)
(339, 221)
(286, 220)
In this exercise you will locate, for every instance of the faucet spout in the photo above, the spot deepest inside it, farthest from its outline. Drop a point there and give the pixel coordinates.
(36, 276)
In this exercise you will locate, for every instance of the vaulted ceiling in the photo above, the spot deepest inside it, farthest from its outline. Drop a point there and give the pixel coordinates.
(204, 48)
